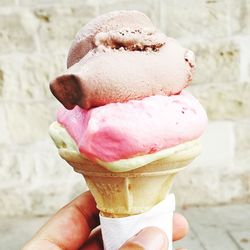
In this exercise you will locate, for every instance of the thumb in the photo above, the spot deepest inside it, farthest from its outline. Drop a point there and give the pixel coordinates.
(147, 238)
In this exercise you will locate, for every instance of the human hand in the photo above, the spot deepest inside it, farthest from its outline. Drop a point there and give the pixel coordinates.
(75, 226)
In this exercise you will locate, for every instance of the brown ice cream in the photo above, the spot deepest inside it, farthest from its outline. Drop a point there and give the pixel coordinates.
(121, 56)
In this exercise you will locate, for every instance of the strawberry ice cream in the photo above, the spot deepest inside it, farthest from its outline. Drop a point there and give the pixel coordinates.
(124, 130)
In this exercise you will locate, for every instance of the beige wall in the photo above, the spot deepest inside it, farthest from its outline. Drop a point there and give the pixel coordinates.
(34, 39)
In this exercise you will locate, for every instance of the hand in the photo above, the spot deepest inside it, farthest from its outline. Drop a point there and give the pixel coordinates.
(75, 226)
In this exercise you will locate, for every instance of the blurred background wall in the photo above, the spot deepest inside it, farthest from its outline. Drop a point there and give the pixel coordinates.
(34, 40)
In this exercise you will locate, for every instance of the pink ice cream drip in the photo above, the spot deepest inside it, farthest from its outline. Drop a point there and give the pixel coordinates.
(123, 130)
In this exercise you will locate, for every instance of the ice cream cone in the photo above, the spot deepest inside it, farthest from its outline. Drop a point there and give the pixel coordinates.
(120, 194)
(128, 125)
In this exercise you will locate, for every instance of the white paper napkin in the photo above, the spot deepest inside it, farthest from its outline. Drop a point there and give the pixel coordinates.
(115, 231)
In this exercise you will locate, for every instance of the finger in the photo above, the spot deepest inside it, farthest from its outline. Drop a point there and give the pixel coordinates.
(180, 226)
(94, 242)
(70, 227)
(147, 238)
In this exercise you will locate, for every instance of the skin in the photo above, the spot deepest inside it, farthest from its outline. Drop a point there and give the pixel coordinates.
(75, 226)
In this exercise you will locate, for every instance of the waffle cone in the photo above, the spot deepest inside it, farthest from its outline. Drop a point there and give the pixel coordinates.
(120, 194)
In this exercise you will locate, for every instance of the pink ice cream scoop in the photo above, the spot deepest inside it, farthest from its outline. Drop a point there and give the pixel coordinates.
(120, 57)
(124, 130)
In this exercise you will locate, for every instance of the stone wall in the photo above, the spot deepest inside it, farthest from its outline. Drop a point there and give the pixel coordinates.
(34, 39)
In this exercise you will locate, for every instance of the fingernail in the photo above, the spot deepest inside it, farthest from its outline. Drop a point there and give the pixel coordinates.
(148, 238)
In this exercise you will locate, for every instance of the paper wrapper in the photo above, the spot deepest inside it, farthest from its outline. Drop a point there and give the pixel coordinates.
(115, 231)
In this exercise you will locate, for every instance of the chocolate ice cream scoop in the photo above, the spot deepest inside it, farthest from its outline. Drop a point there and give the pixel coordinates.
(121, 56)
(85, 38)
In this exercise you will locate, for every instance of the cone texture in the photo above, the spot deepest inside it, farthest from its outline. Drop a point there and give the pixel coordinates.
(120, 194)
